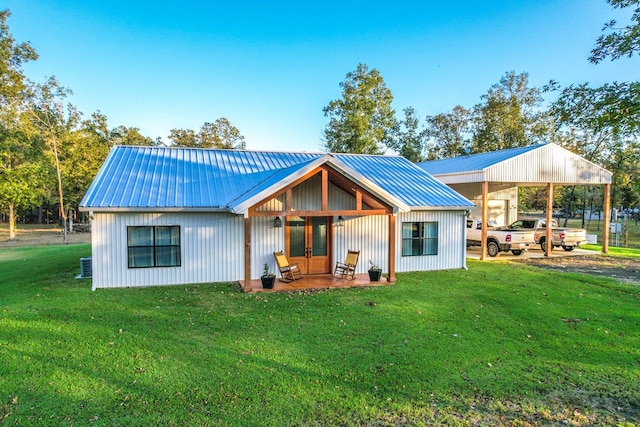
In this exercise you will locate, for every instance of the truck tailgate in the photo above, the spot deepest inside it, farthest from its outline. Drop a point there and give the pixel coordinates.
(574, 235)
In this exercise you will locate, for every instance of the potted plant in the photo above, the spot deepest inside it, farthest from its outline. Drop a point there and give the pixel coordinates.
(267, 279)
(374, 272)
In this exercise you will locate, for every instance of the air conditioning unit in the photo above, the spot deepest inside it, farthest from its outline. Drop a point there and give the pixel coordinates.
(85, 267)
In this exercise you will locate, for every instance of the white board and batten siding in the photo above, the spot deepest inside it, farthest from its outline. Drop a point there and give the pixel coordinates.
(369, 234)
(451, 241)
(212, 249)
(265, 240)
(212, 244)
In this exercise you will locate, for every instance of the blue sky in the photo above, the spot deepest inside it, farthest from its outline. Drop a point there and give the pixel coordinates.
(270, 67)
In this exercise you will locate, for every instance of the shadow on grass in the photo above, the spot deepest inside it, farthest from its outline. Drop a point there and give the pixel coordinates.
(463, 346)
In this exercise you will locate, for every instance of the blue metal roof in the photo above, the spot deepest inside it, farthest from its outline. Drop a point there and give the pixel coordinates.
(474, 162)
(404, 180)
(186, 178)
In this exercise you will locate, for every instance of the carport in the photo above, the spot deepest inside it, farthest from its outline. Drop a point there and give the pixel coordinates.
(491, 180)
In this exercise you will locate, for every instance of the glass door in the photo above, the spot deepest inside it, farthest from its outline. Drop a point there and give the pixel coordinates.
(308, 243)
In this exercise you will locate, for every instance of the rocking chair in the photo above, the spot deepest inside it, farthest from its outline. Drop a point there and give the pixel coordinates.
(347, 269)
(288, 272)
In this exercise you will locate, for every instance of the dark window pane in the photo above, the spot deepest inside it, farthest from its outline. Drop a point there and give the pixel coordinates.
(166, 236)
(140, 257)
(319, 236)
(167, 256)
(297, 242)
(140, 236)
(406, 247)
(407, 230)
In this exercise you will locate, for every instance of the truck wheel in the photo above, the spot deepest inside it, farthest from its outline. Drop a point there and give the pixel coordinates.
(516, 252)
(568, 248)
(543, 245)
(492, 249)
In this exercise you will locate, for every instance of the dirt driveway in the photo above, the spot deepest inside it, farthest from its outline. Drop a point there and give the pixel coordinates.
(626, 270)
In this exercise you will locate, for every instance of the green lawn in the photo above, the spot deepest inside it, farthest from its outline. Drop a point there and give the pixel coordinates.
(487, 346)
(595, 227)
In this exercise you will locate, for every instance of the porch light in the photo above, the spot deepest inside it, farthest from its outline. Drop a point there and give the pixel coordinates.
(277, 222)
(340, 222)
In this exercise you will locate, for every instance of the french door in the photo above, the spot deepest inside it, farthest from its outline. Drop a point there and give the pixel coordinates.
(308, 243)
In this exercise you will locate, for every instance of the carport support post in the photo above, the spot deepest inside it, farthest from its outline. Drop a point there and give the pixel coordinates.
(548, 233)
(247, 254)
(485, 214)
(607, 216)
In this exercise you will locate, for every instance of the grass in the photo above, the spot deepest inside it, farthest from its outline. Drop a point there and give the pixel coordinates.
(595, 227)
(615, 251)
(487, 346)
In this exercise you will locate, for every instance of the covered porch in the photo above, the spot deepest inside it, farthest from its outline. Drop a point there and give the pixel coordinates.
(304, 206)
(313, 282)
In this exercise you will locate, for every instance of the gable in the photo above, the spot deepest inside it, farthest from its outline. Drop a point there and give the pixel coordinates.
(524, 166)
(322, 192)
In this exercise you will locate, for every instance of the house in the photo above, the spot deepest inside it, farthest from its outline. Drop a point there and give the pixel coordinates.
(168, 216)
(491, 179)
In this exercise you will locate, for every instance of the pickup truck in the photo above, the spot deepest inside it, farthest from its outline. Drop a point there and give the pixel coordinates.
(498, 239)
(568, 238)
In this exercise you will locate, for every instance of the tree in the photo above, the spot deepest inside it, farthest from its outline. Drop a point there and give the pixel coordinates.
(54, 122)
(98, 127)
(21, 172)
(123, 135)
(607, 117)
(616, 42)
(623, 161)
(449, 134)
(85, 147)
(613, 107)
(219, 134)
(363, 121)
(12, 56)
(409, 141)
(18, 153)
(507, 116)
(183, 138)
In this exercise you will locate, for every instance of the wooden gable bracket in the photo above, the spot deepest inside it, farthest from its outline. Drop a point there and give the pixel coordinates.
(325, 172)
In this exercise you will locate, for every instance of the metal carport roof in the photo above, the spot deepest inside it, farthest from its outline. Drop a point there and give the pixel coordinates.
(534, 165)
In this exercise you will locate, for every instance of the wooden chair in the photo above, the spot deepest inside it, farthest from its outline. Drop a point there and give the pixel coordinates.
(347, 269)
(288, 272)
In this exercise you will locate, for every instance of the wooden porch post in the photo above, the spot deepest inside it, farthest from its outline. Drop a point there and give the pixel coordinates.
(607, 218)
(548, 233)
(247, 254)
(485, 214)
(392, 249)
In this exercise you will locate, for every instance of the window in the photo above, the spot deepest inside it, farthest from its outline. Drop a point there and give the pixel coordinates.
(419, 238)
(154, 246)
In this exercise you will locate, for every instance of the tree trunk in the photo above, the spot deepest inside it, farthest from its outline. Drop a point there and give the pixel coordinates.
(12, 223)
(40, 214)
(63, 219)
(70, 216)
(63, 213)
